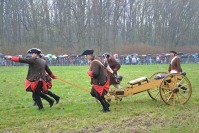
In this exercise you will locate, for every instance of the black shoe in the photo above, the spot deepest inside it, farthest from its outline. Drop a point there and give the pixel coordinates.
(57, 100)
(105, 110)
(51, 103)
(108, 110)
(40, 108)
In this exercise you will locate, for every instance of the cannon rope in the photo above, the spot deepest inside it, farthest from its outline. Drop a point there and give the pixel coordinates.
(65, 81)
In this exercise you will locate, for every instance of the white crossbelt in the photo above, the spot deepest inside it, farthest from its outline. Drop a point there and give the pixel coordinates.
(173, 71)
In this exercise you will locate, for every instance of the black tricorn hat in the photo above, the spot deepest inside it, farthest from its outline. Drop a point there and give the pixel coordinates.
(86, 52)
(34, 50)
(173, 52)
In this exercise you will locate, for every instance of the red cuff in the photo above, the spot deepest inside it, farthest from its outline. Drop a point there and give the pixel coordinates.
(90, 73)
(15, 58)
(53, 76)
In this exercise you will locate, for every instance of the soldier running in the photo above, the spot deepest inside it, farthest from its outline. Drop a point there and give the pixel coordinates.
(37, 79)
(99, 79)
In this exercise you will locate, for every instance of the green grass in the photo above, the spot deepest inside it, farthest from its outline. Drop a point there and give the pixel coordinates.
(79, 112)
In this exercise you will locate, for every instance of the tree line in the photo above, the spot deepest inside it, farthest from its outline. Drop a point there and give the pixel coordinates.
(103, 25)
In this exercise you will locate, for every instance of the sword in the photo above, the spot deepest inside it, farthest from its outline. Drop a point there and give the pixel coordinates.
(65, 81)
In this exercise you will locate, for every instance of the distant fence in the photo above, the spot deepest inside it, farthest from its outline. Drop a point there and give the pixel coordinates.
(77, 61)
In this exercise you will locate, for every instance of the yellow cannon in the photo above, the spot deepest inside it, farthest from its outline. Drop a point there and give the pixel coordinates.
(173, 89)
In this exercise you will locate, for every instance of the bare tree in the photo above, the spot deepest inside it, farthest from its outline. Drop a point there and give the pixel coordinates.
(103, 25)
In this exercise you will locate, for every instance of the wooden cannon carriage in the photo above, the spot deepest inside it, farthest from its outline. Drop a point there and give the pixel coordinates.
(173, 89)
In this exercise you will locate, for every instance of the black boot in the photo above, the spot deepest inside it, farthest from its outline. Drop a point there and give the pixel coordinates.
(39, 104)
(44, 96)
(37, 100)
(54, 96)
(105, 105)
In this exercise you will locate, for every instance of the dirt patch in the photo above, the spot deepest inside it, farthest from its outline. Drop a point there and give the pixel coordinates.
(137, 124)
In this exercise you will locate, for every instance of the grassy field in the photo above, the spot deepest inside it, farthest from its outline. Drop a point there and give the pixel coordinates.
(79, 112)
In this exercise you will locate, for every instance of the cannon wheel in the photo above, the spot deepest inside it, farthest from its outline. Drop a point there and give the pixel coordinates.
(154, 92)
(175, 89)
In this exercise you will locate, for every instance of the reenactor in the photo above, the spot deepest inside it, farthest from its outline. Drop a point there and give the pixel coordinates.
(174, 66)
(113, 71)
(37, 81)
(99, 79)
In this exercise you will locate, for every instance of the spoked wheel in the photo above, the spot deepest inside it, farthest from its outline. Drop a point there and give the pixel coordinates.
(154, 92)
(175, 89)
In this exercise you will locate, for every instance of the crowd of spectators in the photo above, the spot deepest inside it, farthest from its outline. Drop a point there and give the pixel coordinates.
(128, 59)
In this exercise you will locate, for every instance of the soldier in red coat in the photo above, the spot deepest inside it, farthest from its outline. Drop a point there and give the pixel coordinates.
(99, 79)
(49, 86)
(37, 81)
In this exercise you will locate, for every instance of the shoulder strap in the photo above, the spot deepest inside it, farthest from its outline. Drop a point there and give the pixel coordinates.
(107, 68)
(173, 59)
(98, 62)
